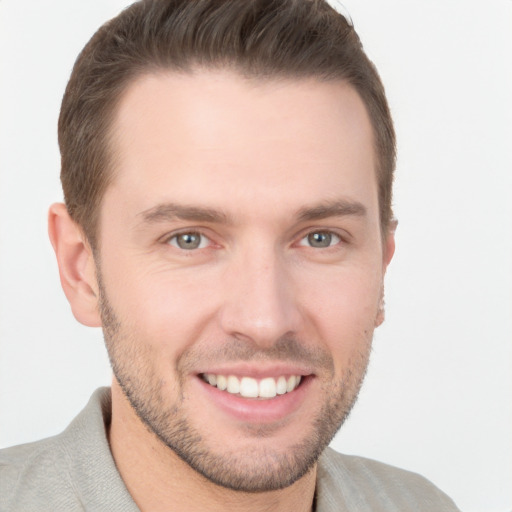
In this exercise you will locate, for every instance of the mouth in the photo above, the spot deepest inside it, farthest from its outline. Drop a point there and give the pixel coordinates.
(257, 396)
(249, 387)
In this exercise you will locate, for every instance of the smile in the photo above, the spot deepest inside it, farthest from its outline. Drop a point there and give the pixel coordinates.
(249, 387)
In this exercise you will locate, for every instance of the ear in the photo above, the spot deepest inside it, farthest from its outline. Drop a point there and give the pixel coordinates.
(76, 265)
(388, 249)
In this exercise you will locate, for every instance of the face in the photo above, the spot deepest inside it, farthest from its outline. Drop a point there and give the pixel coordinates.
(241, 267)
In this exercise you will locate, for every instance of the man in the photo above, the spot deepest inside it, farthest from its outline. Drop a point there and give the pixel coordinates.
(227, 170)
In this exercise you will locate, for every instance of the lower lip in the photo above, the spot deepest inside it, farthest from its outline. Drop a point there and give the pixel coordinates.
(258, 411)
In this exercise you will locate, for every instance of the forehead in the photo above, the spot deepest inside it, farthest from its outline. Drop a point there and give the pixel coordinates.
(209, 134)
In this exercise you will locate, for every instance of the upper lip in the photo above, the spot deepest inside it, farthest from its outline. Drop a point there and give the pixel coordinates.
(258, 371)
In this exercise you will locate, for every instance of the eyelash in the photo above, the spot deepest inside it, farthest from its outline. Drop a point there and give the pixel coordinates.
(206, 241)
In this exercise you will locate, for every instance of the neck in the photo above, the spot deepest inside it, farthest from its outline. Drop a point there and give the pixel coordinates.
(158, 480)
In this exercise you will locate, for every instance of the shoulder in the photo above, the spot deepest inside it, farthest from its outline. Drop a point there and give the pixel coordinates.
(50, 474)
(34, 473)
(73, 471)
(366, 485)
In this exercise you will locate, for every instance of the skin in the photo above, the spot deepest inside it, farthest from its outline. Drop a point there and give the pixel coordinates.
(255, 168)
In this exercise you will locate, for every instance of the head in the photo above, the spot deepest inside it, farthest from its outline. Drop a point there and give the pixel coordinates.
(227, 170)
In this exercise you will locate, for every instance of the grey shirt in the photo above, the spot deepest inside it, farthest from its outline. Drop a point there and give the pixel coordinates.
(75, 471)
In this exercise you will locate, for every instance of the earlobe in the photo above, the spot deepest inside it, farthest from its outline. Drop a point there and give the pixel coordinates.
(76, 265)
(389, 243)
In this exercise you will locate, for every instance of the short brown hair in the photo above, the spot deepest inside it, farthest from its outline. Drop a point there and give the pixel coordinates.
(258, 38)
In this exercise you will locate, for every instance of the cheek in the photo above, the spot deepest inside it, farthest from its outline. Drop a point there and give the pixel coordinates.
(342, 309)
(161, 310)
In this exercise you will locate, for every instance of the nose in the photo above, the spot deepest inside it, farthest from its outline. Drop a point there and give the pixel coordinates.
(260, 303)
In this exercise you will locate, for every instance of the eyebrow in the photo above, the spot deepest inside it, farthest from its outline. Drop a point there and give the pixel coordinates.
(172, 211)
(339, 208)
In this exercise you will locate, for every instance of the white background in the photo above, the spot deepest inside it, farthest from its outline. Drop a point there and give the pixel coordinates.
(438, 397)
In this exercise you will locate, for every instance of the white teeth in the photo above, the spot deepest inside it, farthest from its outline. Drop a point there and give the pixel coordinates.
(222, 382)
(252, 388)
(281, 386)
(290, 384)
(249, 387)
(233, 385)
(268, 388)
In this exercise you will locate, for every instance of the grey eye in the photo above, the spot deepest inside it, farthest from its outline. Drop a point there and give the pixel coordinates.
(320, 239)
(189, 241)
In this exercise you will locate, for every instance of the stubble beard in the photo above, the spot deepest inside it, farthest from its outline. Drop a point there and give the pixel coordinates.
(256, 468)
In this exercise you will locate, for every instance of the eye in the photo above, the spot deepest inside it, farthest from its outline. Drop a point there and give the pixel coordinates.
(189, 241)
(320, 239)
